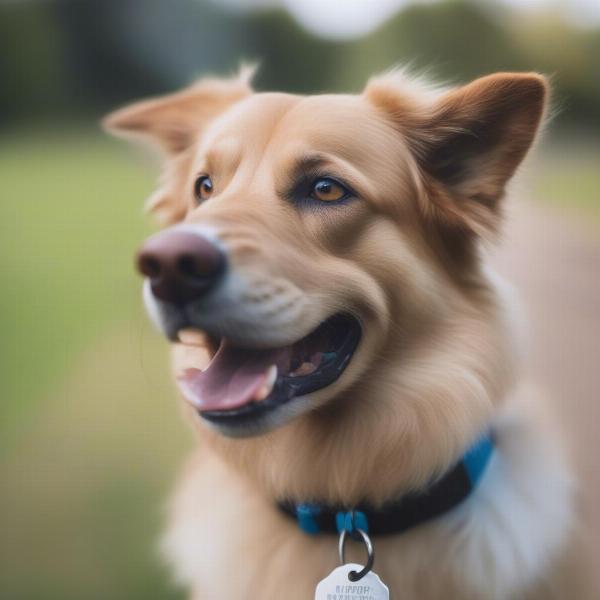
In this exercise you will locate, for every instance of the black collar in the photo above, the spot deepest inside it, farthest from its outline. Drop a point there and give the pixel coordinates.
(403, 514)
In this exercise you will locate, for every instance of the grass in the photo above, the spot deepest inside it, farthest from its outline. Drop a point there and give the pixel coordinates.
(568, 174)
(70, 218)
(84, 486)
(88, 432)
(89, 435)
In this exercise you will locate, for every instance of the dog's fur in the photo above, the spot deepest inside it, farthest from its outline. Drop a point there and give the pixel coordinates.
(438, 360)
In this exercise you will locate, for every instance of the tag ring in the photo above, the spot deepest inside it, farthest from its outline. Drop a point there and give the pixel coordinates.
(357, 575)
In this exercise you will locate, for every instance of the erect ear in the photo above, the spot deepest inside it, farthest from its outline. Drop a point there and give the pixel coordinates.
(468, 141)
(174, 121)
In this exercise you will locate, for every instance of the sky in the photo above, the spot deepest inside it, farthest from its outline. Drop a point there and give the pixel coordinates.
(342, 19)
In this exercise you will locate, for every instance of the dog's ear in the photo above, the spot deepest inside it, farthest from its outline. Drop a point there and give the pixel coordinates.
(468, 141)
(174, 121)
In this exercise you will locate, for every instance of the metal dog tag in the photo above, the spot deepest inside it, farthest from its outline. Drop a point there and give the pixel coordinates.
(337, 586)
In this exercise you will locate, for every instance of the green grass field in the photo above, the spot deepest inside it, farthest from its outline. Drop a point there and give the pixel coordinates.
(89, 433)
(70, 219)
(567, 174)
(90, 439)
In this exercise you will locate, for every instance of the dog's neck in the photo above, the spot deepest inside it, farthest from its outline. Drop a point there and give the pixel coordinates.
(404, 513)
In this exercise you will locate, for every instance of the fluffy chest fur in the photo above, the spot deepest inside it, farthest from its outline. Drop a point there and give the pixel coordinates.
(226, 540)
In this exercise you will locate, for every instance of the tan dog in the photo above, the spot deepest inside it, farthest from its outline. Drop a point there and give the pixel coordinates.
(323, 253)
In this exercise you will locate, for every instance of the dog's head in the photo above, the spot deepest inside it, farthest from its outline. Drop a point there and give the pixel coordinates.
(321, 254)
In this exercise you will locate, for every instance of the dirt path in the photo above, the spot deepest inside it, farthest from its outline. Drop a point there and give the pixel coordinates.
(554, 260)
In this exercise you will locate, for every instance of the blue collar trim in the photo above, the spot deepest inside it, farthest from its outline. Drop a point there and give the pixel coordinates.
(477, 457)
(447, 492)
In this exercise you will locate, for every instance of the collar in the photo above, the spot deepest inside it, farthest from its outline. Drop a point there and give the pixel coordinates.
(455, 486)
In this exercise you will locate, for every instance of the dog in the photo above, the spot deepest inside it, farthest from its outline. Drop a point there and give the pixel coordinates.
(343, 348)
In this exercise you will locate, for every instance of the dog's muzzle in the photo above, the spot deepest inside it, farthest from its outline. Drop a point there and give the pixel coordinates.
(181, 266)
(261, 361)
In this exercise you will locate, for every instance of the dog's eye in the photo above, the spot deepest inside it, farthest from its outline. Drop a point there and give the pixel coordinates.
(203, 188)
(328, 190)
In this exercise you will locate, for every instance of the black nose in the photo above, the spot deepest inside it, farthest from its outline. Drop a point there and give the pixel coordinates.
(180, 265)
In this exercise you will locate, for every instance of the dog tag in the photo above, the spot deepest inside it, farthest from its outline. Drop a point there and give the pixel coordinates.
(337, 586)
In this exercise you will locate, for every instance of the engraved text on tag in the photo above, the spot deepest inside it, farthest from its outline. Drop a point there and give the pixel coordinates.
(337, 586)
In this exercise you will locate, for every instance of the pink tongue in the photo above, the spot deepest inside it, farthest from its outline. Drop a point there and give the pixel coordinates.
(231, 379)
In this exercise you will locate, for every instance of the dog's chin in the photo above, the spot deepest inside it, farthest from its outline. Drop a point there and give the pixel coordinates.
(248, 391)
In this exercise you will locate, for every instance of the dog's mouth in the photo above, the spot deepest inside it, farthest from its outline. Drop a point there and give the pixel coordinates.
(241, 384)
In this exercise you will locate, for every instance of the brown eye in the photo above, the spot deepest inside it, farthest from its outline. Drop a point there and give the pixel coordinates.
(328, 190)
(203, 188)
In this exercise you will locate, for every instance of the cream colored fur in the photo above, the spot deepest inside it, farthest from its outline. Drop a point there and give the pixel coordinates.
(438, 361)
(499, 544)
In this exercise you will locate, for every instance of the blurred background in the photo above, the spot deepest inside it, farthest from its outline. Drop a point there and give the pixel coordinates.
(90, 438)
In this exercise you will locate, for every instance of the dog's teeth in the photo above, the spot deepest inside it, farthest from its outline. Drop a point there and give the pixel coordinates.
(265, 389)
(192, 337)
(306, 368)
